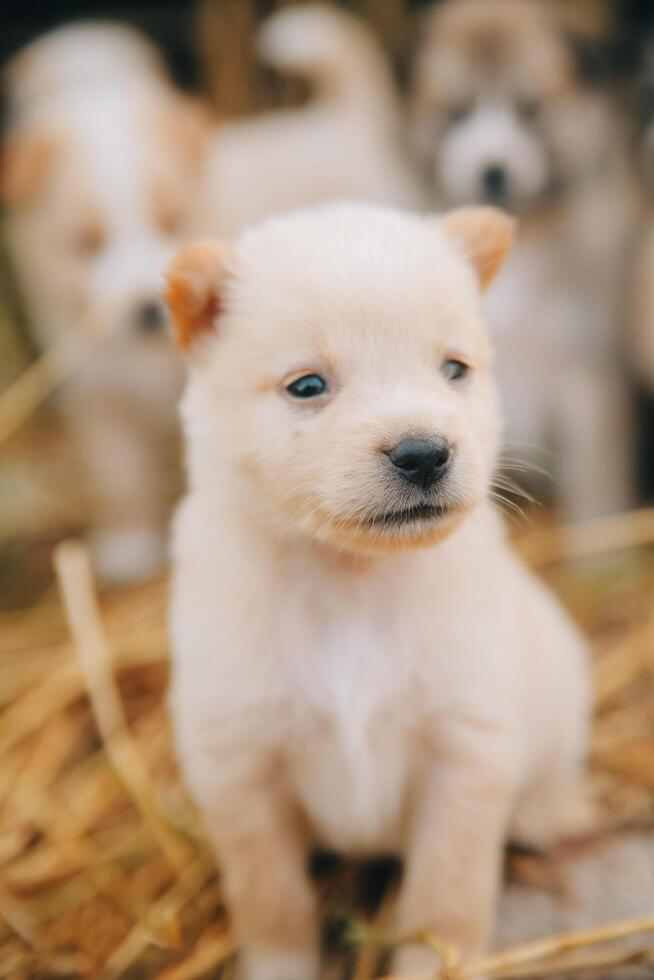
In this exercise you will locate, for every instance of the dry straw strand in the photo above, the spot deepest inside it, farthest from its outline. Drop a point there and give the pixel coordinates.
(22, 398)
(211, 950)
(498, 964)
(164, 911)
(509, 964)
(75, 576)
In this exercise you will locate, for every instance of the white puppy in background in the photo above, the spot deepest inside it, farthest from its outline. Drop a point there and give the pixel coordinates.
(345, 143)
(358, 659)
(505, 111)
(101, 164)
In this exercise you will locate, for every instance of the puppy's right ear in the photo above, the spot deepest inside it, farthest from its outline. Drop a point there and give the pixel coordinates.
(194, 284)
(484, 234)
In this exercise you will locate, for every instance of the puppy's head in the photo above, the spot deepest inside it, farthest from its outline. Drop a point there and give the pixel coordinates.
(505, 105)
(340, 371)
(100, 187)
(77, 55)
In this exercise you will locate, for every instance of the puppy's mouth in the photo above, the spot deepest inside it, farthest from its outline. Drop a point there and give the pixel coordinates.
(408, 515)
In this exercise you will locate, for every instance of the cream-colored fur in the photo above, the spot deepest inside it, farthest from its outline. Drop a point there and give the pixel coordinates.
(101, 164)
(344, 144)
(341, 676)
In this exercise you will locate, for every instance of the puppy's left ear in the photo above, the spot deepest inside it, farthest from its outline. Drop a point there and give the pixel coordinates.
(194, 284)
(485, 235)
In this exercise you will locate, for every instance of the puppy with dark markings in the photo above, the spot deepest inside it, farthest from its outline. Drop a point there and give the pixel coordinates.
(508, 107)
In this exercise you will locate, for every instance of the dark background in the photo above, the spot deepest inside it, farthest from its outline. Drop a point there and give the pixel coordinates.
(171, 22)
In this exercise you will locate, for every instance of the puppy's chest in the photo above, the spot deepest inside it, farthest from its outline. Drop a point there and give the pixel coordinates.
(351, 759)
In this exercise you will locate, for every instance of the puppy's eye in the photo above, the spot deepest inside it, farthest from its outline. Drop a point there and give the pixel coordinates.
(457, 113)
(89, 240)
(454, 370)
(308, 386)
(527, 109)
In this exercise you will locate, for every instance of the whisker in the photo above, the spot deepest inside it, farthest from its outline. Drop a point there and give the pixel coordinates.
(506, 483)
(522, 466)
(514, 510)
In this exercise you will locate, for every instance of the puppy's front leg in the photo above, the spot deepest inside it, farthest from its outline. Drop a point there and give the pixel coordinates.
(453, 859)
(262, 854)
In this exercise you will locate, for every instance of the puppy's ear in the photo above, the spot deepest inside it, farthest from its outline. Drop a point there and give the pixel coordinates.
(24, 163)
(194, 284)
(485, 236)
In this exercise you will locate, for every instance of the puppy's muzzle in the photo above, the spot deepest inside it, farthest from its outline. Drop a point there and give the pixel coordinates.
(421, 461)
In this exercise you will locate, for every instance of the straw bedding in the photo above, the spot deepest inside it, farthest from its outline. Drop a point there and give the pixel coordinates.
(105, 871)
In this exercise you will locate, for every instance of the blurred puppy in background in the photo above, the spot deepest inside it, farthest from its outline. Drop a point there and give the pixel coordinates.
(345, 143)
(101, 164)
(507, 109)
(359, 661)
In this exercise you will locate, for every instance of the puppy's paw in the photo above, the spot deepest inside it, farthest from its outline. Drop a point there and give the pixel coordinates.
(124, 556)
(270, 964)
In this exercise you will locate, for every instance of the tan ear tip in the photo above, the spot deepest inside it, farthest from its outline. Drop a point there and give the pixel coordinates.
(506, 222)
(180, 296)
(187, 257)
(191, 290)
(485, 234)
(481, 216)
(487, 218)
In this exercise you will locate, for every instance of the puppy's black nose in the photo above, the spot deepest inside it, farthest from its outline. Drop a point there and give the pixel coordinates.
(421, 461)
(495, 182)
(150, 317)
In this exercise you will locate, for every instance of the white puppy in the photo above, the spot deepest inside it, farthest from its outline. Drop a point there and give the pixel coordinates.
(100, 173)
(345, 143)
(506, 111)
(358, 659)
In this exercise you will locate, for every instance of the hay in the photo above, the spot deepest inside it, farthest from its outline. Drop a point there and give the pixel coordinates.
(105, 871)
